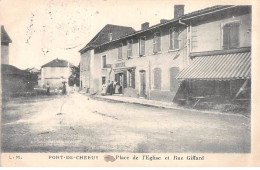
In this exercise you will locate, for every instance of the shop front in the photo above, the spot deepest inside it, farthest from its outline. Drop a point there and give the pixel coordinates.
(220, 77)
(124, 77)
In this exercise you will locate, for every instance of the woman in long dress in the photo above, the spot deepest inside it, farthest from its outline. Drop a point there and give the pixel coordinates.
(104, 89)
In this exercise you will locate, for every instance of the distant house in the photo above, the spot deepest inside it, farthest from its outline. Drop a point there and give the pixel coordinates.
(5, 40)
(55, 72)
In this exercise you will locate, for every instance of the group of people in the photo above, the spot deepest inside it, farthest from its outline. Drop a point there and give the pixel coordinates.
(110, 88)
(64, 89)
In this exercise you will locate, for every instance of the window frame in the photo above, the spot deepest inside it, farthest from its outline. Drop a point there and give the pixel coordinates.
(173, 29)
(222, 33)
(160, 37)
(120, 45)
(154, 81)
(128, 49)
(140, 39)
(102, 61)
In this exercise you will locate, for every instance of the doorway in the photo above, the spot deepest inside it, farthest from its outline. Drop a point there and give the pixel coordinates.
(142, 84)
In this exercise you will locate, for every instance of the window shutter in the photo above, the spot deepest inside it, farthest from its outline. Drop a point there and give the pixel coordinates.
(234, 35)
(133, 78)
(174, 84)
(171, 39)
(120, 52)
(155, 44)
(157, 78)
(142, 46)
(226, 37)
(125, 80)
(158, 42)
(176, 39)
(129, 49)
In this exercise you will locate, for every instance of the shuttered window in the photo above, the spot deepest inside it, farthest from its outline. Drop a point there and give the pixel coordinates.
(129, 48)
(142, 46)
(120, 51)
(131, 78)
(157, 78)
(174, 84)
(174, 39)
(125, 79)
(157, 42)
(231, 35)
(104, 61)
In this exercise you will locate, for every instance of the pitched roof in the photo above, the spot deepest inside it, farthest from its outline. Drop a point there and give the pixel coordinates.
(58, 63)
(12, 70)
(102, 37)
(183, 17)
(4, 36)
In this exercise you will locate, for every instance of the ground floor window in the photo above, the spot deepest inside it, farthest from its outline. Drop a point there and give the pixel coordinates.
(131, 78)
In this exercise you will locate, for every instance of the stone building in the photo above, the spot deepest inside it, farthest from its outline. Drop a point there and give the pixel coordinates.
(146, 63)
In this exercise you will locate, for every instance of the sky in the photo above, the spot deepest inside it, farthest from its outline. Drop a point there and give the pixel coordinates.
(43, 30)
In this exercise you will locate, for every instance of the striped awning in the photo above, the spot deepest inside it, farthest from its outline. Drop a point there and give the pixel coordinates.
(221, 67)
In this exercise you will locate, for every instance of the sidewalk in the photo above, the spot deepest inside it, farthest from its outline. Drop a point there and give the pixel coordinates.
(160, 104)
(142, 101)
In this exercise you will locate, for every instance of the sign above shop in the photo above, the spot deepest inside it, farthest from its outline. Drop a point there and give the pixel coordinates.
(122, 64)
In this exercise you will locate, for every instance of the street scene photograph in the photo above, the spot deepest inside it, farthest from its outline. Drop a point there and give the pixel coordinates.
(108, 76)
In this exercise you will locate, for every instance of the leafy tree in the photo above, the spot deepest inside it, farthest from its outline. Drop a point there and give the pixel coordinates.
(74, 77)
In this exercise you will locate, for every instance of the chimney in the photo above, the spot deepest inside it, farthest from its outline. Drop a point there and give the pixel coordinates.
(145, 25)
(178, 11)
(163, 20)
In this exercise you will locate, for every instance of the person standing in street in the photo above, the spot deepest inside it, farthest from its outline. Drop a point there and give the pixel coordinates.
(64, 91)
(48, 88)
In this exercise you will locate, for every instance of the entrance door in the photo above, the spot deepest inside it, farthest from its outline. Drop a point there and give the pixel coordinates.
(142, 84)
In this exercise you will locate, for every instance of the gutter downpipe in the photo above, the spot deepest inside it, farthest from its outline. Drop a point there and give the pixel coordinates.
(149, 91)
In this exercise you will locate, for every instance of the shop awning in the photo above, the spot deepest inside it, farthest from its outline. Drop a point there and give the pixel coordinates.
(219, 66)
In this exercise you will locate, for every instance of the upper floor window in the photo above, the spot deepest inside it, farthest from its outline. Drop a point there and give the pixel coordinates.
(157, 42)
(231, 35)
(129, 48)
(157, 78)
(142, 46)
(174, 39)
(120, 57)
(104, 61)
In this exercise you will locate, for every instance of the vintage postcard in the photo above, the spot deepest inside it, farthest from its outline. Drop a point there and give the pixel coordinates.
(129, 83)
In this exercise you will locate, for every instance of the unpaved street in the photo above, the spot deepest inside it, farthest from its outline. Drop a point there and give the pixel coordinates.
(76, 123)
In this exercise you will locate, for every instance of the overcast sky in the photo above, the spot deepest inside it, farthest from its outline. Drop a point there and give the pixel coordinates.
(42, 30)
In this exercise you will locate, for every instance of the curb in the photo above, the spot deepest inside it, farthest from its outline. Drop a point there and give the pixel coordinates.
(169, 107)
